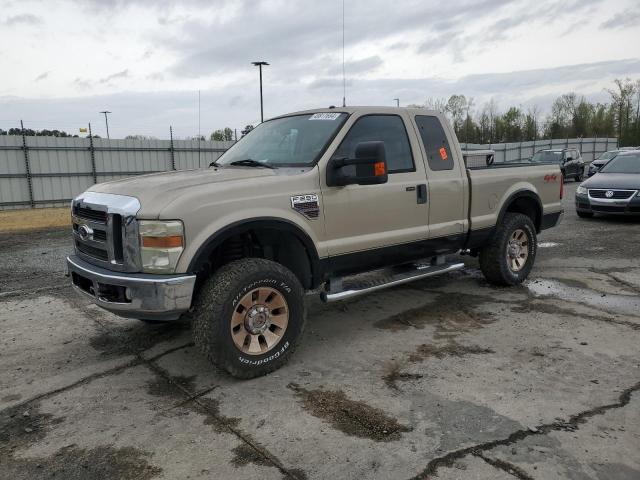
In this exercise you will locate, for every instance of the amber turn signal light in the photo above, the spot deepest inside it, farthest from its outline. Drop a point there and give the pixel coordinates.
(172, 241)
(379, 169)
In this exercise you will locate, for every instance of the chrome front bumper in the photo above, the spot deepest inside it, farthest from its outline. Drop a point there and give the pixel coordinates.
(132, 295)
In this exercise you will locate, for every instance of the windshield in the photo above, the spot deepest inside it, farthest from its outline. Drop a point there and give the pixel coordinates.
(547, 157)
(623, 164)
(286, 142)
(607, 155)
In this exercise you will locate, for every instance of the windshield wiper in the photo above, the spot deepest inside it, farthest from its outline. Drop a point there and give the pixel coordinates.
(249, 162)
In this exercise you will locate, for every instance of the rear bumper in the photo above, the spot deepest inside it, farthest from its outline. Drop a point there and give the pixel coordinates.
(132, 295)
(550, 220)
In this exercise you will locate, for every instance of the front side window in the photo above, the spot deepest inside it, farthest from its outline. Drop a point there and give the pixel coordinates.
(435, 142)
(286, 142)
(384, 128)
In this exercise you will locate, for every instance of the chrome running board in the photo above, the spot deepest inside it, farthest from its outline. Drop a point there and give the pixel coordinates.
(341, 289)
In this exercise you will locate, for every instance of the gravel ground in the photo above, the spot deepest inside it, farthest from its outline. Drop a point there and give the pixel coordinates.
(443, 378)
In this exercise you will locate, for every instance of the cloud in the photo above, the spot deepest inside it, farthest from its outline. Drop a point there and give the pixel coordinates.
(115, 76)
(237, 105)
(22, 19)
(82, 83)
(308, 32)
(355, 67)
(621, 20)
(42, 76)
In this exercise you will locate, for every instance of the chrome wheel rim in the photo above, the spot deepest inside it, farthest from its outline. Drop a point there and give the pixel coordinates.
(517, 250)
(259, 321)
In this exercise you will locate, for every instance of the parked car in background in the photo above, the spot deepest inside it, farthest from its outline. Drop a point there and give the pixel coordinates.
(569, 159)
(601, 161)
(614, 190)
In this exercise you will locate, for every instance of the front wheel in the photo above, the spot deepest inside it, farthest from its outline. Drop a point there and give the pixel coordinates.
(249, 317)
(509, 256)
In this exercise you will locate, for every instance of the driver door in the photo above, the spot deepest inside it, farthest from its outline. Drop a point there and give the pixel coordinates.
(379, 219)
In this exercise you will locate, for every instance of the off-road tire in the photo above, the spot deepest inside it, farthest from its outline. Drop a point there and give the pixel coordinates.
(218, 299)
(493, 257)
(584, 214)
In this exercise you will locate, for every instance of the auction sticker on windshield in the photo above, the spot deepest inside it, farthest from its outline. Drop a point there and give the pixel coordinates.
(324, 116)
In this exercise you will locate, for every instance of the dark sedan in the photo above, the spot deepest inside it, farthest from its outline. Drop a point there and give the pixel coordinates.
(614, 189)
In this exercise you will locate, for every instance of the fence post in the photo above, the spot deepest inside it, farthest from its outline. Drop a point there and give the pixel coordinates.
(27, 165)
(171, 149)
(606, 147)
(595, 147)
(520, 151)
(93, 157)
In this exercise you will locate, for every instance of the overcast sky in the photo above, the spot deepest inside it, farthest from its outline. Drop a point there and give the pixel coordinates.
(61, 62)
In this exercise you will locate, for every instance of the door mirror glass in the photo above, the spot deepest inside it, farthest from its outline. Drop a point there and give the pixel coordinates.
(368, 167)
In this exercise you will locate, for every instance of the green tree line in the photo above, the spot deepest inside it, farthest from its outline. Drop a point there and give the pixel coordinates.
(37, 133)
(571, 116)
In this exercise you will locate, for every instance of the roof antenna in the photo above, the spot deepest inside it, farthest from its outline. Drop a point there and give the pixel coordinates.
(344, 82)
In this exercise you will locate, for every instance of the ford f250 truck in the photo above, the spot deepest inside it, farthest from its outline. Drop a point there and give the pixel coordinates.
(305, 202)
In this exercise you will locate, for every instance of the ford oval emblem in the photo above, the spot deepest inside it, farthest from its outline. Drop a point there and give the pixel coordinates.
(608, 194)
(85, 232)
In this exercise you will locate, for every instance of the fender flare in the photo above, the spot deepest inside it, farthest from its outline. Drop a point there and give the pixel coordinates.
(523, 193)
(274, 223)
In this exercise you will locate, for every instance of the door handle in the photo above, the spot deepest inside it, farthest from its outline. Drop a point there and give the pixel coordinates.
(422, 193)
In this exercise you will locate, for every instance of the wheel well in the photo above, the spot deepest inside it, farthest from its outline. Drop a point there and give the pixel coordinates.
(270, 243)
(527, 205)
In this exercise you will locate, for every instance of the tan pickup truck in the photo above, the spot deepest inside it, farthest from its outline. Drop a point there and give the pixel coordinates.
(304, 202)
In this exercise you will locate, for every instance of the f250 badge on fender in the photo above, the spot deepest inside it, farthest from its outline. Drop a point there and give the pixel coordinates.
(308, 205)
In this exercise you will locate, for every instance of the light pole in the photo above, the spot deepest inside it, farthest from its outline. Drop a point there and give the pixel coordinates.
(259, 65)
(397, 102)
(106, 121)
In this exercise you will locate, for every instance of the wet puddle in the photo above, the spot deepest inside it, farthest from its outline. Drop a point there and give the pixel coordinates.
(624, 304)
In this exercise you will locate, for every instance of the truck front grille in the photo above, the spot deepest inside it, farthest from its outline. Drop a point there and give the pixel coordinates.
(90, 214)
(105, 230)
(99, 253)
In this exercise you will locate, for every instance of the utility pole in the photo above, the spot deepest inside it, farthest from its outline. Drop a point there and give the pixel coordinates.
(397, 102)
(106, 121)
(259, 65)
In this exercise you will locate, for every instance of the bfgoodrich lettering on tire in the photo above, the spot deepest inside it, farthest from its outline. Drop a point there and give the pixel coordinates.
(249, 316)
(509, 256)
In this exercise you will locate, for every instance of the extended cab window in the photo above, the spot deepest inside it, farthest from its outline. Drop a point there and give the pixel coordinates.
(435, 143)
(383, 128)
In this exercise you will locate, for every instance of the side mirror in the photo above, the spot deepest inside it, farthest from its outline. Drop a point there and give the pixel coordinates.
(370, 166)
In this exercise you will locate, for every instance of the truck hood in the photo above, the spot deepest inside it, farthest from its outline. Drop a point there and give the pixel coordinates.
(625, 181)
(156, 190)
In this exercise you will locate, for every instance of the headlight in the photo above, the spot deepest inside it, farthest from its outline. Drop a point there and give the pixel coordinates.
(161, 244)
(581, 190)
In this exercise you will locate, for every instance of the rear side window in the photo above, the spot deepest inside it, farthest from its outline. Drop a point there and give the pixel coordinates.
(384, 128)
(435, 143)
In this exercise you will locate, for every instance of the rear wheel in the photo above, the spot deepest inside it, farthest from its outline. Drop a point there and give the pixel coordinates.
(509, 256)
(249, 317)
(579, 176)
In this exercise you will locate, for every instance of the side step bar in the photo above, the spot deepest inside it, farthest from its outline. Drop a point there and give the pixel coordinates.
(385, 280)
